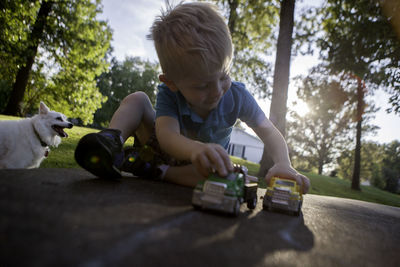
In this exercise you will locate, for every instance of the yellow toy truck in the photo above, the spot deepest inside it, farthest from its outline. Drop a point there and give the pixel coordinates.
(283, 194)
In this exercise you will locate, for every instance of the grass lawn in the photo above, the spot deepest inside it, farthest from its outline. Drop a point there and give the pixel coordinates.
(331, 186)
(63, 157)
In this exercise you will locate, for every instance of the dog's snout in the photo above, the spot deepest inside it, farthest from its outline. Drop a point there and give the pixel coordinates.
(70, 125)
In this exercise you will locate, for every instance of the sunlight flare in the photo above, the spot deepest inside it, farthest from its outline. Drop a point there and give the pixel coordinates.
(301, 108)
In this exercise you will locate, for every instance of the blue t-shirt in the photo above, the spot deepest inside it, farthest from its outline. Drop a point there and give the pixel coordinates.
(237, 102)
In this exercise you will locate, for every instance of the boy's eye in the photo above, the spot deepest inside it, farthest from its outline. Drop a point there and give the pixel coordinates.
(202, 86)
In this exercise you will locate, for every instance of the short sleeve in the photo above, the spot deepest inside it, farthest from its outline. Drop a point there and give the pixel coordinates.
(250, 112)
(166, 102)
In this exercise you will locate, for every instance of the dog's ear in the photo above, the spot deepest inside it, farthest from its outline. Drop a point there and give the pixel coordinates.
(43, 109)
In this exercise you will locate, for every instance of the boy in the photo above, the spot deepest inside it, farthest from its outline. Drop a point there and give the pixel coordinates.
(197, 106)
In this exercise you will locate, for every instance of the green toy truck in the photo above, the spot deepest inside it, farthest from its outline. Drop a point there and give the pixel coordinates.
(283, 194)
(226, 194)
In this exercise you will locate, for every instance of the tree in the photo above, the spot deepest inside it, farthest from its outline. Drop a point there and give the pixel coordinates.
(359, 40)
(122, 79)
(34, 38)
(251, 40)
(281, 77)
(65, 50)
(14, 18)
(319, 136)
(371, 167)
(381, 164)
(391, 166)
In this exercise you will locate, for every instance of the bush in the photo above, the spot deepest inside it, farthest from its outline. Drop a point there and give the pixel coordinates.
(392, 180)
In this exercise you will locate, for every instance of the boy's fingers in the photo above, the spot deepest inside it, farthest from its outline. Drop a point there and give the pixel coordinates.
(297, 178)
(306, 184)
(268, 177)
(225, 157)
(202, 164)
(217, 161)
(213, 158)
(203, 171)
(289, 173)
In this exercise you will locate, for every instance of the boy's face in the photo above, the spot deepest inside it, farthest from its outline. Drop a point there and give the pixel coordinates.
(203, 94)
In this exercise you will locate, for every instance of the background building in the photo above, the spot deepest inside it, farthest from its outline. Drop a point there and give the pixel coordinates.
(245, 146)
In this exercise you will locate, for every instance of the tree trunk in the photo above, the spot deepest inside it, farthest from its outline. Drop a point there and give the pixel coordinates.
(355, 183)
(233, 15)
(17, 94)
(281, 77)
(233, 5)
(320, 167)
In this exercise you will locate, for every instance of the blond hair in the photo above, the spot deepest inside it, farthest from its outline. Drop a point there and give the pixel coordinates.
(190, 39)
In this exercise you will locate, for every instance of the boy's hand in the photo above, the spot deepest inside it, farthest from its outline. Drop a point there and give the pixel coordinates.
(287, 171)
(211, 157)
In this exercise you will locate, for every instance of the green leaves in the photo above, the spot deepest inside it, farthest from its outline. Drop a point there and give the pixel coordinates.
(15, 20)
(251, 24)
(316, 139)
(71, 55)
(122, 79)
(360, 39)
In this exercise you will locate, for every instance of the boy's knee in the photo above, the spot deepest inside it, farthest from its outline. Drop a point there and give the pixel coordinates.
(136, 98)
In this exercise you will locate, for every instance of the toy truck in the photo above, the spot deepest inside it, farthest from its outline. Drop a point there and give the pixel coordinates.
(226, 194)
(283, 194)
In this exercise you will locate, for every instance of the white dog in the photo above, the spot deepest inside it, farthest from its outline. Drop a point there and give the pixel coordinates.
(25, 143)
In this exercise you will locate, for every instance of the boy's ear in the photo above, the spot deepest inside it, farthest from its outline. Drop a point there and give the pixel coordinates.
(171, 85)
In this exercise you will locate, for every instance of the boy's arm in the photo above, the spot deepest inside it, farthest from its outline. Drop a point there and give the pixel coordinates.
(277, 147)
(205, 157)
(186, 175)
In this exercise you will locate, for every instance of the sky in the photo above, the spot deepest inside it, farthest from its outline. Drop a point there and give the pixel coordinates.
(131, 20)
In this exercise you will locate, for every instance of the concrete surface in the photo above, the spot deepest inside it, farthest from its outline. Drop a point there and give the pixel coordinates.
(67, 217)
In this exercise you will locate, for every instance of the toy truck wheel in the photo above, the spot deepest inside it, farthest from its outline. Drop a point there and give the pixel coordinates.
(297, 213)
(252, 203)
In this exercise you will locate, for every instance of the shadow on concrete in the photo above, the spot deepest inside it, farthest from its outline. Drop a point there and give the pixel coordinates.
(198, 238)
(66, 217)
